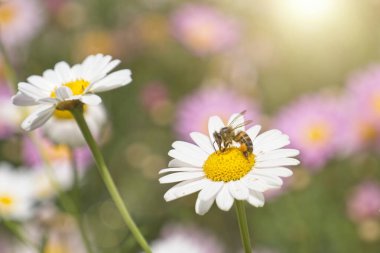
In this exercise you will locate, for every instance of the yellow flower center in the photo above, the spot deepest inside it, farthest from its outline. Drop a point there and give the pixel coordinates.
(6, 201)
(7, 13)
(317, 134)
(201, 38)
(77, 88)
(230, 165)
(56, 248)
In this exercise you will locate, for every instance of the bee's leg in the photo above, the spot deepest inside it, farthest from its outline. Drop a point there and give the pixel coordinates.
(218, 140)
(243, 148)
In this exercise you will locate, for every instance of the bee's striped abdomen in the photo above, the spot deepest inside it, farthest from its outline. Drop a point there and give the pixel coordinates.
(243, 138)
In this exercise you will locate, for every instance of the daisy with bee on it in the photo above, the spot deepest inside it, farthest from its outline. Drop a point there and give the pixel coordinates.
(230, 165)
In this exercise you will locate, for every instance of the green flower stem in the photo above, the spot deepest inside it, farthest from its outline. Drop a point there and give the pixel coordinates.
(77, 213)
(243, 226)
(107, 179)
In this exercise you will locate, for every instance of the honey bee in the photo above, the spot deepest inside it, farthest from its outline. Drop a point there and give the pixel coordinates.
(227, 135)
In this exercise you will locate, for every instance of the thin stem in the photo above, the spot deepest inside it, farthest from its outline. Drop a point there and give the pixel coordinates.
(107, 179)
(243, 226)
(77, 213)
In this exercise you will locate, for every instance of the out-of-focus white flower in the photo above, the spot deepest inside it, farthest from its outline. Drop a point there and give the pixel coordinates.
(20, 20)
(59, 90)
(16, 193)
(186, 239)
(65, 130)
(46, 180)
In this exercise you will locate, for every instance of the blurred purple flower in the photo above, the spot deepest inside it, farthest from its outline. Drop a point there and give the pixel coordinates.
(314, 124)
(153, 95)
(58, 154)
(204, 30)
(364, 202)
(20, 20)
(362, 106)
(194, 110)
(186, 239)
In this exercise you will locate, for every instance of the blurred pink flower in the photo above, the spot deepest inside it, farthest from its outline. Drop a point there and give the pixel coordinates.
(186, 239)
(362, 106)
(204, 30)
(153, 95)
(20, 20)
(194, 110)
(58, 154)
(364, 202)
(314, 124)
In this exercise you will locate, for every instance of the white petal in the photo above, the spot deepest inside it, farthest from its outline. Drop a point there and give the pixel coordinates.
(253, 132)
(32, 91)
(48, 101)
(110, 66)
(266, 136)
(253, 183)
(112, 81)
(91, 99)
(41, 83)
(197, 162)
(275, 154)
(63, 70)
(182, 169)
(175, 163)
(190, 150)
(105, 67)
(63, 93)
(224, 200)
(23, 100)
(238, 190)
(269, 145)
(38, 117)
(214, 125)
(271, 180)
(256, 199)
(185, 188)
(278, 171)
(181, 176)
(277, 162)
(210, 191)
(52, 77)
(202, 207)
(203, 141)
(76, 70)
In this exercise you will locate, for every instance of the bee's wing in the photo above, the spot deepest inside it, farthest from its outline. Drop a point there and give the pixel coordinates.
(236, 118)
(245, 123)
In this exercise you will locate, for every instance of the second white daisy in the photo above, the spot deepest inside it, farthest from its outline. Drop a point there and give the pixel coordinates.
(60, 90)
(228, 175)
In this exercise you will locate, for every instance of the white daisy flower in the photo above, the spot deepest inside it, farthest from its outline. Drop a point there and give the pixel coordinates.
(16, 193)
(228, 175)
(186, 239)
(64, 130)
(62, 174)
(61, 89)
